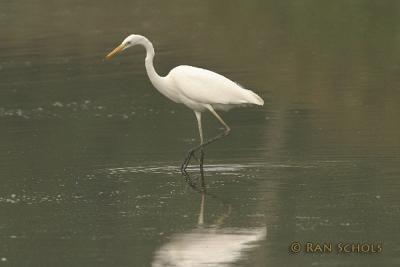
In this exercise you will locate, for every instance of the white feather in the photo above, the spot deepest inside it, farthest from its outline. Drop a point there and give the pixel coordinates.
(197, 88)
(201, 86)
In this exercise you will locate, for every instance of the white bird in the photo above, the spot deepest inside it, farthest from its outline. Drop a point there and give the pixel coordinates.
(198, 89)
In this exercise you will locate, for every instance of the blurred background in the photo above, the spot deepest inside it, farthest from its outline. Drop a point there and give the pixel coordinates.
(90, 151)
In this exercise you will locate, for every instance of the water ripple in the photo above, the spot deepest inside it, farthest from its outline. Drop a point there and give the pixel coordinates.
(220, 168)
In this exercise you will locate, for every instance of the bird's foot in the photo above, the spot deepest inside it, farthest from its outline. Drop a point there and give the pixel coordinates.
(191, 154)
(187, 161)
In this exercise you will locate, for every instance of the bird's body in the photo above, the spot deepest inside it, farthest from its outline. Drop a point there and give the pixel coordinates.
(198, 89)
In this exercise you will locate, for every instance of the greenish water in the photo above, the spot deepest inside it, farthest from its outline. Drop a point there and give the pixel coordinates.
(90, 152)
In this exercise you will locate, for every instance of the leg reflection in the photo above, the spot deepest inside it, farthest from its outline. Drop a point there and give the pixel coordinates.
(207, 244)
(198, 184)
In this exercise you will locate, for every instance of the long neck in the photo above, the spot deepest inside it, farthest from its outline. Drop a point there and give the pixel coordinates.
(155, 79)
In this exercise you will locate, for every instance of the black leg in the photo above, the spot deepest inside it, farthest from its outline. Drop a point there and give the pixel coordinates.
(194, 149)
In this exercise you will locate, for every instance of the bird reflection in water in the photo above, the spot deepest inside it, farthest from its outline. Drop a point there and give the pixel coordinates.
(208, 245)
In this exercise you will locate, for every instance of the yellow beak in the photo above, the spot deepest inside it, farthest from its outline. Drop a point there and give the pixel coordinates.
(115, 51)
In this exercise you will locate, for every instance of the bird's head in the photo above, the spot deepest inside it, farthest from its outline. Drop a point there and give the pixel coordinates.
(129, 41)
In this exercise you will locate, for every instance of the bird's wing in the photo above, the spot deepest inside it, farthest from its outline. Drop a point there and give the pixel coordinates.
(207, 87)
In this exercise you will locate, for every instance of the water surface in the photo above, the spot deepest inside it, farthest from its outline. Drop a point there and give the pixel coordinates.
(90, 152)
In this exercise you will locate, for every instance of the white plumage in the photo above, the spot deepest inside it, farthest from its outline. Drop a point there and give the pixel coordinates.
(197, 88)
(206, 87)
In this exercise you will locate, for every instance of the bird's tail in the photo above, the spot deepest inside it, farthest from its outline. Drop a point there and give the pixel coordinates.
(255, 99)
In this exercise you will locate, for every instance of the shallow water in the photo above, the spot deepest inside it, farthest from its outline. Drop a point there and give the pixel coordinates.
(90, 152)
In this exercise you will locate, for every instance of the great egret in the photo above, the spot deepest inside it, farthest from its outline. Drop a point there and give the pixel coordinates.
(198, 89)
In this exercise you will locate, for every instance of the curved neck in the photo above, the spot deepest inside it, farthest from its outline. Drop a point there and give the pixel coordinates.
(151, 72)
